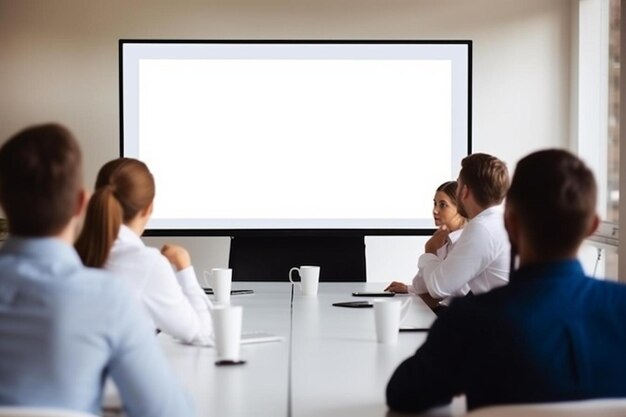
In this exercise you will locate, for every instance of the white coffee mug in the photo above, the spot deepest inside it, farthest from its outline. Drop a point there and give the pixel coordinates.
(387, 315)
(309, 279)
(227, 329)
(220, 280)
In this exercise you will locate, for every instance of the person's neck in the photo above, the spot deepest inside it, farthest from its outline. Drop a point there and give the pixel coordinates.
(456, 226)
(474, 210)
(68, 234)
(137, 225)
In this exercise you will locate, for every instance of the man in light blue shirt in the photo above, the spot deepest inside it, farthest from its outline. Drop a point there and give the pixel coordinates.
(65, 328)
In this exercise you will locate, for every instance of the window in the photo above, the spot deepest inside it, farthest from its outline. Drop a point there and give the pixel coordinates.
(598, 116)
(612, 201)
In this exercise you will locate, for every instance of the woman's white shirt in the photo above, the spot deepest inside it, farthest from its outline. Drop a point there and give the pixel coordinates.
(419, 286)
(175, 301)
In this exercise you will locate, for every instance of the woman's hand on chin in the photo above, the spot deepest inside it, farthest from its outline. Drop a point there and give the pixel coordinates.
(437, 240)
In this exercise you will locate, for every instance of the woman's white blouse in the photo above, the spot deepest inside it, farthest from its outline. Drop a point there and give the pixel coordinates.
(175, 301)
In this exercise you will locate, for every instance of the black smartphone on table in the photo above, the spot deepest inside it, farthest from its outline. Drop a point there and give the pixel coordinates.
(232, 292)
(373, 294)
(354, 304)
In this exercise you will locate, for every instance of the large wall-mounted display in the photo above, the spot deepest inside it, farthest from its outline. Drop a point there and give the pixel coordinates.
(296, 135)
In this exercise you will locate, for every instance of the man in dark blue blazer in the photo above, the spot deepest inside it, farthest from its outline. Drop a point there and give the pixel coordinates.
(551, 334)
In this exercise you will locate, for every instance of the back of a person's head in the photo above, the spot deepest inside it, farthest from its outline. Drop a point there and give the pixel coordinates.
(40, 180)
(553, 194)
(124, 187)
(486, 176)
(130, 182)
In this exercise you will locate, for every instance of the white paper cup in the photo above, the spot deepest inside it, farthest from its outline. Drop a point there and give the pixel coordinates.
(227, 328)
(309, 279)
(387, 320)
(221, 282)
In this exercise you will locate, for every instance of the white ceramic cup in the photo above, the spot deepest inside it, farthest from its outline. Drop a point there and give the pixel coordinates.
(220, 280)
(387, 314)
(227, 329)
(309, 279)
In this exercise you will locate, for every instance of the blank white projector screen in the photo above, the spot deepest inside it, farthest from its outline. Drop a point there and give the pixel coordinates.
(295, 135)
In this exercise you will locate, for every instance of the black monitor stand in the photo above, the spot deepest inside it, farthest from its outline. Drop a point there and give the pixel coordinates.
(269, 258)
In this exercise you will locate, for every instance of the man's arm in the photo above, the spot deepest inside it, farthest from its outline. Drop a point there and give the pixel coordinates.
(470, 256)
(140, 371)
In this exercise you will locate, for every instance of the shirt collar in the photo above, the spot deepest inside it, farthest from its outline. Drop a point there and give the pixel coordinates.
(554, 269)
(489, 211)
(454, 236)
(127, 235)
(42, 248)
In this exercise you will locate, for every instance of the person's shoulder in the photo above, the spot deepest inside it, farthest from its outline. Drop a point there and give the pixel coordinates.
(137, 255)
(491, 218)
(156, 258)
(7, 262)
(107, 293)
(608, 293)
(478, 231)
(620, 287)
(488, 226)
(125, 248)
(149, 254)
(100, 285)
(482, 304)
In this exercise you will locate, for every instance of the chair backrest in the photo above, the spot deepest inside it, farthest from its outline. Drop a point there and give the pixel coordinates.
(268, 258)
(40, 412)
(597, 408)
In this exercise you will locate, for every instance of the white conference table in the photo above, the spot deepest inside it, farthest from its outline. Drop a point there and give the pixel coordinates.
(328, 364)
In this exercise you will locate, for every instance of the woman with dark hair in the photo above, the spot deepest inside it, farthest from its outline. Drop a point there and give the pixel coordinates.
(116, 218)
(449, 218)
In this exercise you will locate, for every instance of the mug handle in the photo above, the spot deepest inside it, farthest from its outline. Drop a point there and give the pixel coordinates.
(206, 275)
(291, 280)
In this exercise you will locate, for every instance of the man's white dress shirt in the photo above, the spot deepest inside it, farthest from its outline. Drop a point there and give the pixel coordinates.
(479, 259)
(175, 302)
(419, 287)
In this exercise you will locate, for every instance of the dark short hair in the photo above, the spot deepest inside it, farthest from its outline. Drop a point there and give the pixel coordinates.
(486, 176)
(554, 195)
(40, 180)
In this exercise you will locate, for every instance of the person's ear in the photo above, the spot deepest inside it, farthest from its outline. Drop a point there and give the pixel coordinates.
(464, 192)
(81, 202)
(593, 225)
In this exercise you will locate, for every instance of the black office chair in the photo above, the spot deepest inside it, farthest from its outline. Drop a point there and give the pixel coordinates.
(269, 258)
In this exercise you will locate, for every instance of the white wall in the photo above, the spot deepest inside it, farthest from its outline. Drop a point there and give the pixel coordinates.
(58, 61)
